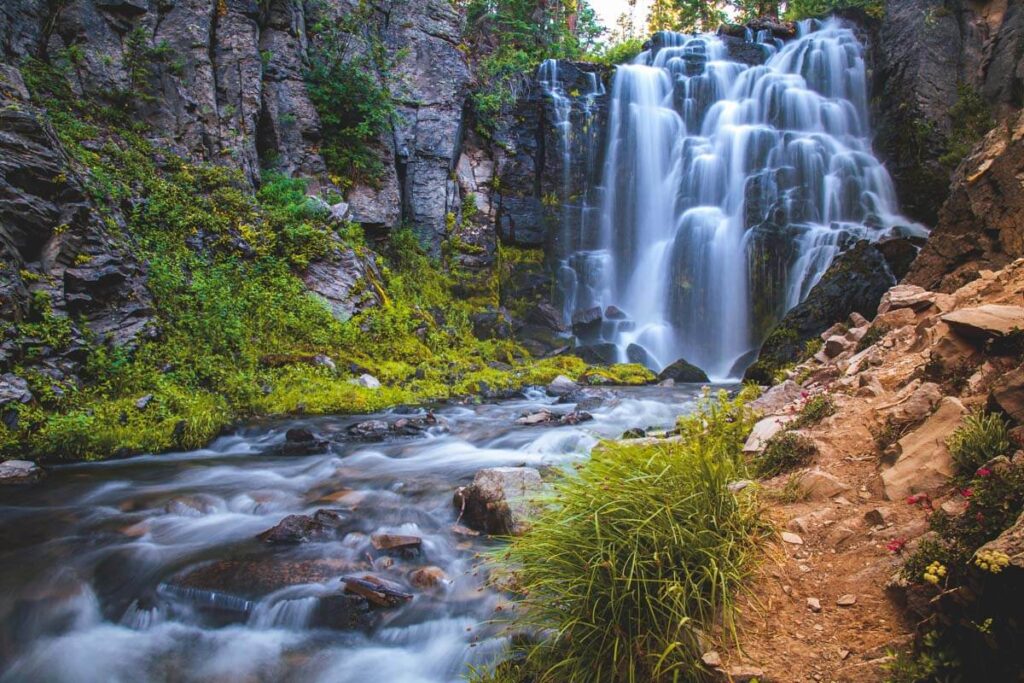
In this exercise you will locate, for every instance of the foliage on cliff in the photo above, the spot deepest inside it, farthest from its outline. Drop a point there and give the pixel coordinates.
(511, 37)
(346, 80)
(236, 332)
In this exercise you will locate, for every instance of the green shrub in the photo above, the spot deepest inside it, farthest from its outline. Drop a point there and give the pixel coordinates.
(784, 452)
(347, 86)
(816, 409)
(805, 9)
(622, 52)
(970, 117)
(637, 555)
(979, 438)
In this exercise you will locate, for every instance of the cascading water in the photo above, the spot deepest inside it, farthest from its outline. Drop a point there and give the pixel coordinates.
(573, 113)
(726, 192)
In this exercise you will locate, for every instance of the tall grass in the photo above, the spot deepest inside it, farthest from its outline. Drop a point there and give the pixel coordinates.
(638, 556)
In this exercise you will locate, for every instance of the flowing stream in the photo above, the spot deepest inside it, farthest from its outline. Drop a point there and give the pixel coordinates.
(148, 569)
(727, 190)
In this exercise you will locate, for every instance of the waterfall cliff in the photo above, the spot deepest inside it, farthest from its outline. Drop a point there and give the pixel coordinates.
(726, 191)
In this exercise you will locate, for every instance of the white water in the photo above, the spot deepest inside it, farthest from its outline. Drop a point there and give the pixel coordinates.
(91, 561)
(726, 192)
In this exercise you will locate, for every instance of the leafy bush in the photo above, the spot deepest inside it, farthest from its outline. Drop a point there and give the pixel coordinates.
(805, 9)
(351, 96)
(816, 409)
(969, 604)
(636, 555)
(622, 52)
(971, 117)
(979, 438)
(784, 452)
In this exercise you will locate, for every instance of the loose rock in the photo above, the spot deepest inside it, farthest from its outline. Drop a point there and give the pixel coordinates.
(20, 472)
(498, 500)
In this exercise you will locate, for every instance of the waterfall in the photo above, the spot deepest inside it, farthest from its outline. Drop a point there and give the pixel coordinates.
(726, 192)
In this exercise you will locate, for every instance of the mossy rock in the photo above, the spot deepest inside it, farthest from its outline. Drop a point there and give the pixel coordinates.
(683, 371)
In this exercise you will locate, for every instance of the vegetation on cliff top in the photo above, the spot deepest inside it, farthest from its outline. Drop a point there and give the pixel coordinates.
(236, 332)
(637, 557)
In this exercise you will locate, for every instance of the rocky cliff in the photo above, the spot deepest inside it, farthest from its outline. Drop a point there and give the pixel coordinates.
(941, 69)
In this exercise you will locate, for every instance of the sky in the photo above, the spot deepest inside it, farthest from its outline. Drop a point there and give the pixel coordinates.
(609, 10)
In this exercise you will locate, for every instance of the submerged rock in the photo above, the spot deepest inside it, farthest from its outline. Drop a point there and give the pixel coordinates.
(499, 500)
(546, 417)
(257, 576)
(369, 430)
(588, 398)
(378, 592)
(402, 544)
(428, 577)
(323, 525)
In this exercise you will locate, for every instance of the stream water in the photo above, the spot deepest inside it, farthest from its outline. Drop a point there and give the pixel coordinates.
(149, 569)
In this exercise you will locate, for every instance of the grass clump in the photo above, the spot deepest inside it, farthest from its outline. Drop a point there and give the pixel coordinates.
(637, 555)
(816, 409)
(981, 437)
(784, 452)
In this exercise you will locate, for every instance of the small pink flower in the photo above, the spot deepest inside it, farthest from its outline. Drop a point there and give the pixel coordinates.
(966, 492)
(921, 500)
(983, 472)
(896, 545)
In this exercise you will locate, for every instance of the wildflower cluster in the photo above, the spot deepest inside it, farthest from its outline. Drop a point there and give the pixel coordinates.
(992, 561)
(935, 572)
(896, 545)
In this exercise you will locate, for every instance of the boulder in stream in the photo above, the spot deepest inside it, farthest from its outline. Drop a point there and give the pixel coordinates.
(499, 501)
(682, 371)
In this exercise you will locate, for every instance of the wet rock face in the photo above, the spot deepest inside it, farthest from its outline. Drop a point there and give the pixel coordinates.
(529, 159)
(226, 85)
(854, 283)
